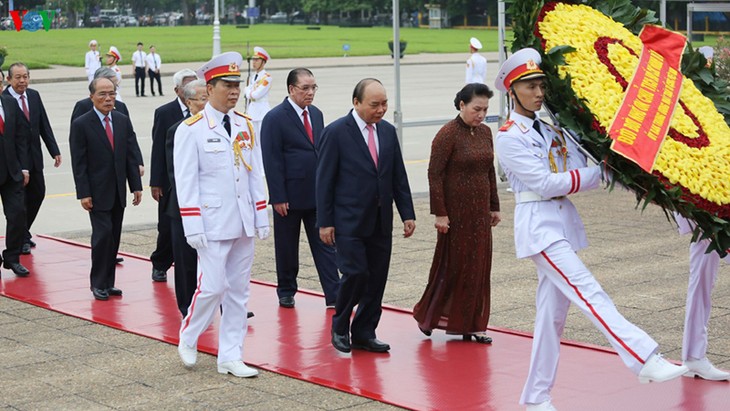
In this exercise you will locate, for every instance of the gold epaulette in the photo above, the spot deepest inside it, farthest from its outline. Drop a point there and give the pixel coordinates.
(246, 116)
(194, 119)
(507, 125)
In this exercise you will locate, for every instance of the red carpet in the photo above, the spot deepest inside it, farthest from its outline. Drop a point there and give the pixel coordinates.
(419, 373)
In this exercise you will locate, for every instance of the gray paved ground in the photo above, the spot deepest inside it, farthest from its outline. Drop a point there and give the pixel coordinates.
(51, 361)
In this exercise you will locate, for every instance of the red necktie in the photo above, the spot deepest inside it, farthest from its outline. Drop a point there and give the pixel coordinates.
(371, 144)
(109, 134)
(2, 125)
(25, 107)
(308, 127)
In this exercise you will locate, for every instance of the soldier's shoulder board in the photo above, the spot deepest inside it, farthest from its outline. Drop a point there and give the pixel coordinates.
(507, 125)
(193, 119)
(242, 114)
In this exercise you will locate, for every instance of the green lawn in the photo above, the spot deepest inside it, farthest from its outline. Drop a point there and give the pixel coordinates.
(194, 43)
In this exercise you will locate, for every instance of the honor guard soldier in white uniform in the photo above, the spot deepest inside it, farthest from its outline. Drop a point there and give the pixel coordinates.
(93, 60)
(257, 89)
(703, 268)
(542, 169)
(476, 65)
(217, 162)
(112, 58)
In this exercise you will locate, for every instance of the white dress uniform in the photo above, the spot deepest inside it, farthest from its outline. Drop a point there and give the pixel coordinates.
(222, 195)
(476, 65)
(92, 63)
(114, 52)
(542, 170)
(257, 92)
(702, 276)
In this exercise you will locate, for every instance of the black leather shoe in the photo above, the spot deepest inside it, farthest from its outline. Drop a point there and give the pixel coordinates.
(286, 302)
(341, 342)
(119, 260)
(32, 243)
(25, 249)
(114, 292)
(100, 294)
(250, 314)
(372, 345)
(17, 268)
(159, 275)
(480, 338)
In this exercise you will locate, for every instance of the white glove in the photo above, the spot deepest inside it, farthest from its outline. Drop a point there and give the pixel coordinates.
(263, 232)
(197, 241)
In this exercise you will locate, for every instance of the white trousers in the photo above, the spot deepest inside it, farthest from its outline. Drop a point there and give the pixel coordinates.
(224, 275)
(702, 275)
(562, 280)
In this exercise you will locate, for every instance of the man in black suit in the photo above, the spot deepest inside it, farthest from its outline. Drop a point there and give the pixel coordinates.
(360, 172)
(14, 163)
(86, 104)
(195, 94)
(292, 131)
(165, 116)
(33, 126)
(102, 158)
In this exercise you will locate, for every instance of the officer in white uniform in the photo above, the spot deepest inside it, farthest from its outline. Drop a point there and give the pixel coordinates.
(217, 162)
(702, 276)
(476, 65)
(93, 61)
(257, 89)
(542, 169)
(112, 58)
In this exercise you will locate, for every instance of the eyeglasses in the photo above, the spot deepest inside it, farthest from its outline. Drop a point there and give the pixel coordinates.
(203, 99)
(105, 94)
(307, 89)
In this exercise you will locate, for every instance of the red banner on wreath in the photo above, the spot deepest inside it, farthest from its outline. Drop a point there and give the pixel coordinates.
(642, 120)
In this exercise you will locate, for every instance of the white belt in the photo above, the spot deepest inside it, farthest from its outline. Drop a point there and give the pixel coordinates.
(531, 196)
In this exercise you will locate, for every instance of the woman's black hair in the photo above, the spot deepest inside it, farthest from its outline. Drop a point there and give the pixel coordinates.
(467, 93)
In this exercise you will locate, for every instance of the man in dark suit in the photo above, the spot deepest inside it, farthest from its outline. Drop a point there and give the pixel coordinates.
(33, 126)
(165, 116)
(195, 95)
(292, 130)
(360, 173)
(86, 104)
(14, 163)
(102, 158)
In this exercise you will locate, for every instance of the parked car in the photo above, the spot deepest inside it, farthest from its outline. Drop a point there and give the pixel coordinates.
(129, 21)
(279, 18)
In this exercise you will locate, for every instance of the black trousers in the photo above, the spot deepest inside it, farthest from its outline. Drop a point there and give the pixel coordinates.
(154, 76)
(186, 266)
(364, 263)
(162, 256)
(35, 192)
(106, 231)
(139, 77)
(12, 194)
(286, 244)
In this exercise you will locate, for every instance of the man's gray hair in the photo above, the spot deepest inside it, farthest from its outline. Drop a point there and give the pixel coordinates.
(105, 72)
(190, 89)
(178, 78)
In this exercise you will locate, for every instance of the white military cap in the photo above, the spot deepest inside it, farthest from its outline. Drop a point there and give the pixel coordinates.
(523, 65)
(114, 52)
(260, 53)
(226, 66)
(93, 42)
(707, 51)
(474, 42)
